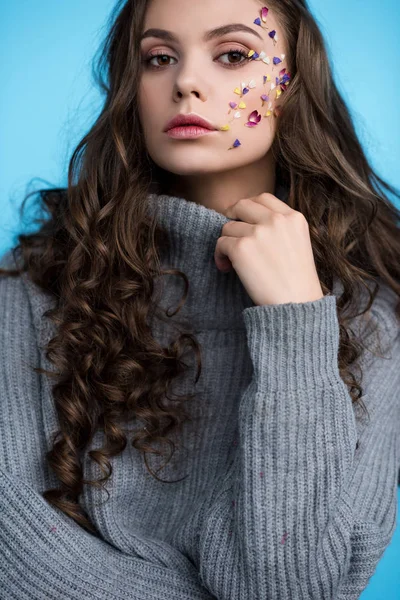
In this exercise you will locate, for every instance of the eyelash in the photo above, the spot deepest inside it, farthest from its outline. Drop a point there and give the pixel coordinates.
(229, 66)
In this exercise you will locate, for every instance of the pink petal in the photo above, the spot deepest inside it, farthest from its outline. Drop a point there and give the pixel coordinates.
(253, 115)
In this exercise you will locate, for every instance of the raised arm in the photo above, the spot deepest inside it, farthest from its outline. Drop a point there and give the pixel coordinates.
(304, 511)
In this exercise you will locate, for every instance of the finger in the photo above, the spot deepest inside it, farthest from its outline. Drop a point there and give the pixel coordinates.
(223, 249)
(248, 211)
(273, 203)
(237, 229)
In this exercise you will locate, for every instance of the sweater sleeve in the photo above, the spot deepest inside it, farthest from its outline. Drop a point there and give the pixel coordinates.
(43, 553)
(303, 510)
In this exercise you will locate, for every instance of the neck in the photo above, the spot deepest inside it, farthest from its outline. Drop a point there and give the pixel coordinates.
(220, 190)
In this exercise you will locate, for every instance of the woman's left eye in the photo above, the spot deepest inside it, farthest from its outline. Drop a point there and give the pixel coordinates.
(238, 52)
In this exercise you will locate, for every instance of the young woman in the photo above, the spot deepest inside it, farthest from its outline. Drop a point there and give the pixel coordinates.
(267, 467)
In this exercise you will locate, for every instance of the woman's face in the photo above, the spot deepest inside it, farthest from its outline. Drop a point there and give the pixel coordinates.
(196, 73)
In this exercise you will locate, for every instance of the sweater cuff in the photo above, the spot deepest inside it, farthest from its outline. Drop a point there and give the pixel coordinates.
(293, 345)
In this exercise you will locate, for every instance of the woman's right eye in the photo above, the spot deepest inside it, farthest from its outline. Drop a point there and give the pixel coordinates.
(148, 60)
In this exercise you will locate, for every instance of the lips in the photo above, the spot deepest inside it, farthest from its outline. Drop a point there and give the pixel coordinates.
(182, 120)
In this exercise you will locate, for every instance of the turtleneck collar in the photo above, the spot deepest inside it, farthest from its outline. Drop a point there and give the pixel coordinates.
(215, 299)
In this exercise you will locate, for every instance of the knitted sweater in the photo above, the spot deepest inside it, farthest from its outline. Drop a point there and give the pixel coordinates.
(277, 500)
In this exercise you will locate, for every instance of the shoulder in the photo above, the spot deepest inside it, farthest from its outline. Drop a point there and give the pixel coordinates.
(380, 322)
(17, 333)
(14, 301)
(22, 304)
(383, 313)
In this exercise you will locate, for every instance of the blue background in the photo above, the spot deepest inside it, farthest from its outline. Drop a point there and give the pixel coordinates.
(48, 101)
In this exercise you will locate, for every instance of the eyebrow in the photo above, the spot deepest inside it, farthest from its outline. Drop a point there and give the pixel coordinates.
(168, 36)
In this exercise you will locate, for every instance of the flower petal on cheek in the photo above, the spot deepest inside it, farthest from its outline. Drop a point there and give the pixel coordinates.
(254, 119)
(236, 144)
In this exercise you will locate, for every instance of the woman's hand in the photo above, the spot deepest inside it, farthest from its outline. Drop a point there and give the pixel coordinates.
(270, 250)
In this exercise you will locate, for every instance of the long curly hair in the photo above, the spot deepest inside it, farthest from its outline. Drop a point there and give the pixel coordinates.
(97, 250)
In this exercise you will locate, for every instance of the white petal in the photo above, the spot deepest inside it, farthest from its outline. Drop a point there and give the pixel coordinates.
(237, 115)
(252, 84)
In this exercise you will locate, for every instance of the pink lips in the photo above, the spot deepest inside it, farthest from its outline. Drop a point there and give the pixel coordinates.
(189, 131)
(189, 121)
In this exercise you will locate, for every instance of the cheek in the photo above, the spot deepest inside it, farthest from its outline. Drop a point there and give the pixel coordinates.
(250, 105)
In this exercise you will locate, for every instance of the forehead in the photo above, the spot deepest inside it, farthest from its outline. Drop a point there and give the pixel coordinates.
(188, 23)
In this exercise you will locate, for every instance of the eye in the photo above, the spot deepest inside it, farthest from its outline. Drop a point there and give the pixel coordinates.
(148, 60)
(236, 53)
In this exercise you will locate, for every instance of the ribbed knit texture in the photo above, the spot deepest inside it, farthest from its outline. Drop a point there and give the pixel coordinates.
(278, 503)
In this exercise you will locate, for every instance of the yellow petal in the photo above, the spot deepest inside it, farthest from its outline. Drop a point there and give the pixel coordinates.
(250, 53)
(242, 105)
(225, 128)
(238, 91)
(268, 113)
(278, 93)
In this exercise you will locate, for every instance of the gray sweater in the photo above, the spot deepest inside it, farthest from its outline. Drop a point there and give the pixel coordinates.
(280, 501)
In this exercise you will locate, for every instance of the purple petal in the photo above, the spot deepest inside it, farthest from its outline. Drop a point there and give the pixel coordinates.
(245, 90)
(276, 60)
(258, 21)
(236, 143)
(272, 33)
(232, 104)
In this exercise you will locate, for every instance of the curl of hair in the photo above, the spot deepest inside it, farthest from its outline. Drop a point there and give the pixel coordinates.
(97, 250)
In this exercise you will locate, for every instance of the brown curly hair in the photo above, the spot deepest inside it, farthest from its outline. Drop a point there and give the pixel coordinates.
(97, 250)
